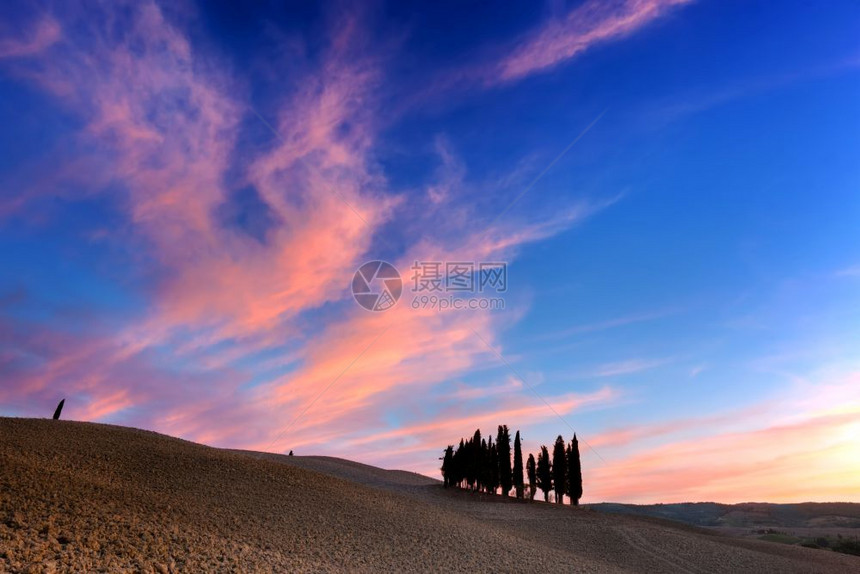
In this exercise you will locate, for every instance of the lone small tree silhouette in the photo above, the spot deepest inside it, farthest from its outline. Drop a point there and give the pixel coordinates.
(59, 409)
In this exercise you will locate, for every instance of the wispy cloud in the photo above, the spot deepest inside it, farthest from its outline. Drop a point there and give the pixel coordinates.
(706, 98)
(610, 324)
(627, 367)
(161, 124)
(556, 40)
(459, 419)
(592, 23)
(44, 34)
(697, 370)
(465, 392)
(637, 434)
(852, 271)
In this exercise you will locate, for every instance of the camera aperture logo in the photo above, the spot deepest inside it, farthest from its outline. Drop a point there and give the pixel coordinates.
(377, 286)
(436, 285)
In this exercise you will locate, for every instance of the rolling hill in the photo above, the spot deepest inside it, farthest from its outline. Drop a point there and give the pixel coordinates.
(99, 498)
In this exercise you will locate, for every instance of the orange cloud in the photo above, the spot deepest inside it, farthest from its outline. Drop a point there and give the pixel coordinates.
(806, 453)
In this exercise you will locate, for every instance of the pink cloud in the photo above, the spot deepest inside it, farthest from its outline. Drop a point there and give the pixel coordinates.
(740, 467)
(466, 392)
(167, 129)
(637, 434)
(446, 429)
(589, 24)
(791, 450)
(416, 350)
(164, 124)
(158, 125)
(44, 34)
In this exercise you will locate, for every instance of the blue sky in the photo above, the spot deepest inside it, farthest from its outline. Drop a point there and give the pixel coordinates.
(187, 191)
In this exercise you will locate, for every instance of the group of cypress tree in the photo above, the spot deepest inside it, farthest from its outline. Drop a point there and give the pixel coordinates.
(481, 465)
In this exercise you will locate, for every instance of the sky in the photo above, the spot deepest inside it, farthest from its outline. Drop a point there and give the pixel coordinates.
(670, 186)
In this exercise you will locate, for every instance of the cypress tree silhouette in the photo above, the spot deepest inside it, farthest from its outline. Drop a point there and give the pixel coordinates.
(59, 409)
(484, 467)
(532, 474)
(467, 462)
(503, 445)
(559, 469)
(459, 464)
(494, 466)
(574, 471)
(567, 475)
(544, 473)
(472, 446)
(518, 466)
(447, 466)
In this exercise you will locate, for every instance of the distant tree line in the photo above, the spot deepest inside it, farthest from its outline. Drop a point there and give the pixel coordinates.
(481, 465)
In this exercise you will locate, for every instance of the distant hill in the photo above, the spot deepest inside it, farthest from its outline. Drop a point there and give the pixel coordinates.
(753, 515)
(821, 525)
(83, 497)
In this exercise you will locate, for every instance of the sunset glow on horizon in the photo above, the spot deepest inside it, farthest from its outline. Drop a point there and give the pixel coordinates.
(669, 187)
